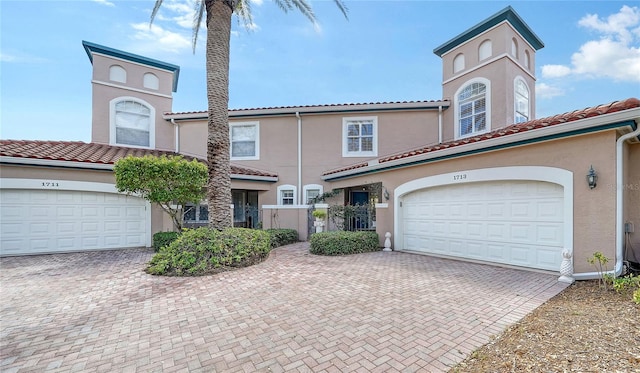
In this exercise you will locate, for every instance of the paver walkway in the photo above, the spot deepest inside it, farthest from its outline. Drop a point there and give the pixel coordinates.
(295, 312)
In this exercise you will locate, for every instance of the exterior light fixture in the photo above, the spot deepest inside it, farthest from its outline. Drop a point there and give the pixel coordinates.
(386, 194)
(592, 178)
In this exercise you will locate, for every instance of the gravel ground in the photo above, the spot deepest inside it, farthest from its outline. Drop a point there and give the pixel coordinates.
(582, 329)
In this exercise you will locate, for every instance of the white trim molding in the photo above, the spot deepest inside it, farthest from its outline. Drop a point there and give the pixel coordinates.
(308, 187)
(345, 131)
(284, 187)
(256, 154)
(112, 121)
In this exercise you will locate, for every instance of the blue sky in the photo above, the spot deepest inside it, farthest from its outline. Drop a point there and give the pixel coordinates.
(384, 52)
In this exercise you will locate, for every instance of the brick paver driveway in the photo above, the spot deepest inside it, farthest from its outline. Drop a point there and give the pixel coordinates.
(294, 312)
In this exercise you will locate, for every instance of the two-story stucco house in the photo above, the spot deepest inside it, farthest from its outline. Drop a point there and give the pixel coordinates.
(471, 176)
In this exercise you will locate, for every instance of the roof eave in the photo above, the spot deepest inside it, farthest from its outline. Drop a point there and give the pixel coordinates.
(506, 14)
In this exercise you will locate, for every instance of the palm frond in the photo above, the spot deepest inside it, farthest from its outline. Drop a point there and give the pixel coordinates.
(343, 8)
(243, 11)
(198, 13)
(156, 7)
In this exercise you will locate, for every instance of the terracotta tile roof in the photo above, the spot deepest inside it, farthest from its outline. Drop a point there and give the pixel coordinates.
(78, 151)
(311, 106)
(559, 119)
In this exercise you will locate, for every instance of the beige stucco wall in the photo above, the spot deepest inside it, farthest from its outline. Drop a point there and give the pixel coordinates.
(594, 210)
(322, 136)
(105, 90)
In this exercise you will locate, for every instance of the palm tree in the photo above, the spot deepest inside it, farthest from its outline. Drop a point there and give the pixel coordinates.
(218, 20)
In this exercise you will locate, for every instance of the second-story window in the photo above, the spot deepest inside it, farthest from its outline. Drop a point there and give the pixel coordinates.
(244, 140)
(471, 110)
(132, 123)
(521, 101)
(360, 137)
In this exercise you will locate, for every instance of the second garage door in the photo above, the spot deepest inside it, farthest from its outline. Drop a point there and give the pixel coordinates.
(54, 221)
(509, 222)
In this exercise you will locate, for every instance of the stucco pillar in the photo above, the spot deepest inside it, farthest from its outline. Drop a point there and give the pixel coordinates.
(384, 221)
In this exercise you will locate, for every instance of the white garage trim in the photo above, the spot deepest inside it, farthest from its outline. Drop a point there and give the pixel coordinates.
(524, 173)
(80, 186)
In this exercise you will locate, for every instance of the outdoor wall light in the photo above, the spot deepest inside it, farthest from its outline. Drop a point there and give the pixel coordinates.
(592, 178)
(386, 194)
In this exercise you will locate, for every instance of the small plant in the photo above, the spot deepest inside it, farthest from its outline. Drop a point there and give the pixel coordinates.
(343, 243)
(319, 214)
(636, 296)
(203, 251)
(282, 236)
(600, 261)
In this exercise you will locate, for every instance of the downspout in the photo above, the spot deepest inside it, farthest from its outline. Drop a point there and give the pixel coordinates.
(440, 124)
(619, 211)
(177, 126)
(299, 201)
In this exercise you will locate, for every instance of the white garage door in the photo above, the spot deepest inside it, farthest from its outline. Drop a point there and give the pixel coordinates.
(511, 222)
(49, 221)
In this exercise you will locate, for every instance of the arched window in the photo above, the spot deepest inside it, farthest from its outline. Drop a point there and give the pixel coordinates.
(527, 59)
(473, 108)
(521, 101)
(311, 191)
(150, 81)
(458, 63)
(131, 122)
(117, 74)
(287, 195)
(514, 48)
(485, 50)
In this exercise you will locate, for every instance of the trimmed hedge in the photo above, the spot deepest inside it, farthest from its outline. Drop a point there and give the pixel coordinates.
(344, 243)
(281, 237)
(204, 251)
(162, 239)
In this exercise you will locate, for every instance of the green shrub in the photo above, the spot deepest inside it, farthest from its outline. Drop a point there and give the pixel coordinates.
(162, 239)
(203, 251)
(281, 237)
(344, 243)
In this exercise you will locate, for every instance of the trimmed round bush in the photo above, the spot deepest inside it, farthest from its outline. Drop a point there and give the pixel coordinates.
(344, 243)
(162, 239)
(204, 251)
(281, 237)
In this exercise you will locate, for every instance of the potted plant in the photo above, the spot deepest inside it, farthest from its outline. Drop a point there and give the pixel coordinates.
(320, 215)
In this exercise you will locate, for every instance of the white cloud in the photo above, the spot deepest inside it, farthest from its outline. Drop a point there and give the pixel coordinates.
(544, 90)
(555, 71)
(21, 58)
(156, 38)
(616, 55)
(257, 2)
(104, 2)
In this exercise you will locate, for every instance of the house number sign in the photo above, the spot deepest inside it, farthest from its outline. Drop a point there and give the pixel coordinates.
(50, 184)
(459, 177)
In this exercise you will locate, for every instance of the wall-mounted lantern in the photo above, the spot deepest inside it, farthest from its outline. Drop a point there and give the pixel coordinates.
(592, 178)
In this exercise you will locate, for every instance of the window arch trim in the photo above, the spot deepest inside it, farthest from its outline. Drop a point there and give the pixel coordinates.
(112, 122)
(485, 50)
(487, 111)
(283, 199)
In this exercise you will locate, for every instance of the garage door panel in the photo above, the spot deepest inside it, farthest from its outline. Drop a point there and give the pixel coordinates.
(46, 221)
(509, 222)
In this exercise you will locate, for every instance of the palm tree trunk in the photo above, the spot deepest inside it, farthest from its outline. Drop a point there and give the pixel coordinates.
(219, 184)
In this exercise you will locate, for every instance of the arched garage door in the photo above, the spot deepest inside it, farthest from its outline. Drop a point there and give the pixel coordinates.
(52, 221)
(509, 222)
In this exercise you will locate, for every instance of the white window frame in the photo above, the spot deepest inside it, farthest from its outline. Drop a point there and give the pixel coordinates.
(487, 98)
(516, 112)
(197, 212)
(485, 50)
(256, 155)
(307, 188)
(112, 122)
(345, 143)
(287, 187)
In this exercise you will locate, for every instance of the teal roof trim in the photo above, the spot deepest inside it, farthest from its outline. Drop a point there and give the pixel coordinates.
(95, 48)
(506, 14)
